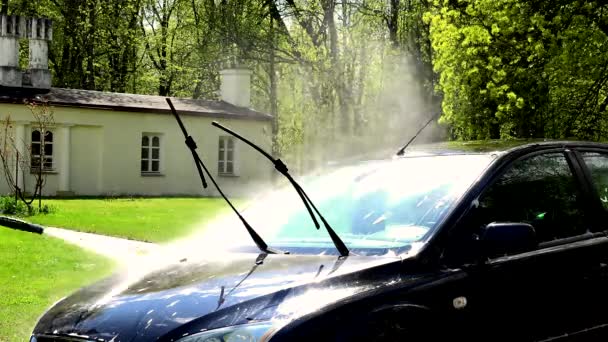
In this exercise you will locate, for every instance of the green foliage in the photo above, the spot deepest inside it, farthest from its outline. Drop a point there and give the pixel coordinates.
(325, 69)
(95, 43)
(513, 68)
(10, 206)
(47, 209)
(358, 75)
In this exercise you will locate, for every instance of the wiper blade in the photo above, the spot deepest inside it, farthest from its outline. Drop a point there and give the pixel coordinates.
(402, 150)
(282, 168)
(201, 166)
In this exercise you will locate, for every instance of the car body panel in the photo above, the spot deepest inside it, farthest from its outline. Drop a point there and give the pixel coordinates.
(551, 293)
(126, 309)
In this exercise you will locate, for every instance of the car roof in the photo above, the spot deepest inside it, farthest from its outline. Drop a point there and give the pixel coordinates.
(486, 147)
(495, 146)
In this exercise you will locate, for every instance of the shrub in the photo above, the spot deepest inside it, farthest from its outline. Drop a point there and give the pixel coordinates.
(47, 209)
(10, 206)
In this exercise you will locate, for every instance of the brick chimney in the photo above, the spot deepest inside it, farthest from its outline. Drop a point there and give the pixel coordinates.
(40, 33)
(11, 30)
(235, 86)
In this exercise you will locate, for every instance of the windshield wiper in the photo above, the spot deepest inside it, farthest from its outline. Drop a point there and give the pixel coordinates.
(282, 168)
(258, 261)
(199, 164)
(402, 150)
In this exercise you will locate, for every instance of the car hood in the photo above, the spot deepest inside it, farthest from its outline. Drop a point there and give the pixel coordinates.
(137, 305)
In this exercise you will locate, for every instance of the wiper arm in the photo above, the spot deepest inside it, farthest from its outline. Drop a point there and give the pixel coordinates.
(258, 261)
(402, 150)
(201, 166)
(190, 143)
(279, 166)
(282, 168)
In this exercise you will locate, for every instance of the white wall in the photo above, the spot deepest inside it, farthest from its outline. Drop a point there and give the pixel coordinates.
(86, 159)
(105, 150)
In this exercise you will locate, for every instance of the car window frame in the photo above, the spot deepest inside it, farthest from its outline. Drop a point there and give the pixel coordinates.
(581, 182)
(500, 168)
(595, 204)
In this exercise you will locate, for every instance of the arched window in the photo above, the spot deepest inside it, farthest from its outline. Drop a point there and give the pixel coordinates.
(42, 150)
(150, 153)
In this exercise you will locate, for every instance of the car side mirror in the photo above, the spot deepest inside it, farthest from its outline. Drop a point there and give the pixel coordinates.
(502, 238)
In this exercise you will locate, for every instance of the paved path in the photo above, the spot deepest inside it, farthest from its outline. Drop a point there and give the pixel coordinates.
(113, 247)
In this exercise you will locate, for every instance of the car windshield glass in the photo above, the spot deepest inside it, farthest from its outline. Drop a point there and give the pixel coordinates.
(376, 205)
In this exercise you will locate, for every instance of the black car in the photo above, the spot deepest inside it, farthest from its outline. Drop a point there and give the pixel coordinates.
(447, 242)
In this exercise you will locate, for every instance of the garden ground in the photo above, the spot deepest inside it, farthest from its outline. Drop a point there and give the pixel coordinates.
(35, 271)
(144, 219)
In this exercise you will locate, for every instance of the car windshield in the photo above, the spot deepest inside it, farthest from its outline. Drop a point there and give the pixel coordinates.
(376, 206)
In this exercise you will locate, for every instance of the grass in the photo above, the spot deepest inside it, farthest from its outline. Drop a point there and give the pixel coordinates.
(36, 271)
(144, 219)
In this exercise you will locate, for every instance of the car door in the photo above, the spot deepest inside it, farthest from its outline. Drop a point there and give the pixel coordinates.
(594, 166)
(543, 294)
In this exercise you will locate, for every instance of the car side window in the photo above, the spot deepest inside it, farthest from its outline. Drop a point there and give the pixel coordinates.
(539, 190)
(597, 163)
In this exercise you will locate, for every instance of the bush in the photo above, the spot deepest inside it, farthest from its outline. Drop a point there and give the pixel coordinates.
(47, 209)
(10, 206)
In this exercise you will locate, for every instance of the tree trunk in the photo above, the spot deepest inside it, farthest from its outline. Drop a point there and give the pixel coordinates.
(164, 88)
(392, 23)
(90, 47)
(337, 71)
(359, 119)
(276, 151)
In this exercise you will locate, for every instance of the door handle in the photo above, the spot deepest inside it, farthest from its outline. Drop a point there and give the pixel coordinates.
(597, 272)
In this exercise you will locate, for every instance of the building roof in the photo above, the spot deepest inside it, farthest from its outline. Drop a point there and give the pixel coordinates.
(136, 103)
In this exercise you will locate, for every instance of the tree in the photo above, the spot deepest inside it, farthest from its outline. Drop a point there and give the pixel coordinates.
(18, 155)
(95, 43)
(122, 42)
(160, 28)
(521, 69)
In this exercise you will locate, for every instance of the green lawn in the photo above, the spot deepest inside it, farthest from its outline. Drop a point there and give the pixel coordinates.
(145, 219)
(35, 271)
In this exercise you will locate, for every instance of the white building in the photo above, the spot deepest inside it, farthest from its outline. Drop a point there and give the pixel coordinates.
(124, 144)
